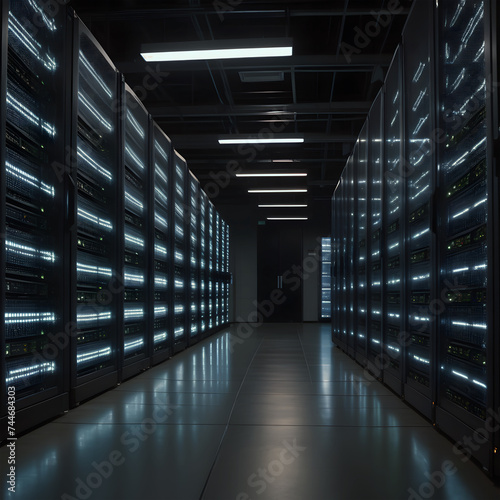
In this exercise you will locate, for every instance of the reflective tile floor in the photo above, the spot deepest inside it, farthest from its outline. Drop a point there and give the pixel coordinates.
(278, 415)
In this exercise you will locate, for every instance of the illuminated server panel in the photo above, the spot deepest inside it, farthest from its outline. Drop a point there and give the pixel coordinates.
(344, 257)
(374, 235)
(162, 338)
(217, 284)
(228, 275)
(223, 309)
(420, 185)
(360, 248)
(203, 262)
(33, 193)
(194, 259)
(326, 279)
(180, 275)
(336, 265)
(135, 236)
(352, 254)
(342, 273)
(463, 325)
(211, 267)
(393, 226)
(98, 293)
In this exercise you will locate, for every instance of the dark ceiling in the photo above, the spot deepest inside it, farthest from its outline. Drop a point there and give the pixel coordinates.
(324, 91)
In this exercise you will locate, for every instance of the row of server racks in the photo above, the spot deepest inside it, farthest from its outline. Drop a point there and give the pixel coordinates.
(415, 227)
(113, 257)
(326, 279)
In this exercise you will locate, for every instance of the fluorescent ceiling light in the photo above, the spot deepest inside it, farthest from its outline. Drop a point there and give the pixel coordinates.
(287, 218)
(282, 174)
(217, 49)
(282, 206)
(277, 190)
(256, 140)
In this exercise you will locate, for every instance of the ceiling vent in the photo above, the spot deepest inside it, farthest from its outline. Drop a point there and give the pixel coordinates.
(261, 76)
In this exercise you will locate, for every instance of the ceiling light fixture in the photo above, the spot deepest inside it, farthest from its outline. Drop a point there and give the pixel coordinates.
(287, 218)
(282, 206)
(277, 190)
(277, 174)
(256, 140)
(217, 49)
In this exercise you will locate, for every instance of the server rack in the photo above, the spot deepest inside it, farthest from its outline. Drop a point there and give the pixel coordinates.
(161, 148)
(223, 282)
(180, 252)
(227, 276)
(194, 260)
(420, 186)
(217, 282)
(33, 182)
(211, 268)
(374, 236)
(393, 228)
(361, 244)
(352, 267)
(97, 284)
(342, 230)
(466, 186)
(326, 279)
(492, 50)
(335, 268)
(135, 190)
(4, 16)
(204, 276)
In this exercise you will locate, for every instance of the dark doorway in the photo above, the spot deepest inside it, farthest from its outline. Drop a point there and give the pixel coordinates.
(279, 251)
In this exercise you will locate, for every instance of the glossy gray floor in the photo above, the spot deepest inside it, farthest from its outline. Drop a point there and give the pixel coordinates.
(278, 414)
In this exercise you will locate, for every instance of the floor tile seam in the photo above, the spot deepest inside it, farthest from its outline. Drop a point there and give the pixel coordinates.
(304, 354)
(217, 452)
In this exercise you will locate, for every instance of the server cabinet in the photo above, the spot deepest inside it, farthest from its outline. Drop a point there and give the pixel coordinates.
(465, 333)
(211, 268)
(393, 228)
(360, 249)
(135, 194)
(161, 244)
(343, 258)
(180, 252)
(492, 52)
(223, 274)
(326, 279)
(33, 302)
(227, 280)
(194, 260)
(351, 266)
(222, 278)
(4, 16)
(335, 268)
(204, 276)
(98, 285)
(420, 186)
(374, 233)
(217, 281)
